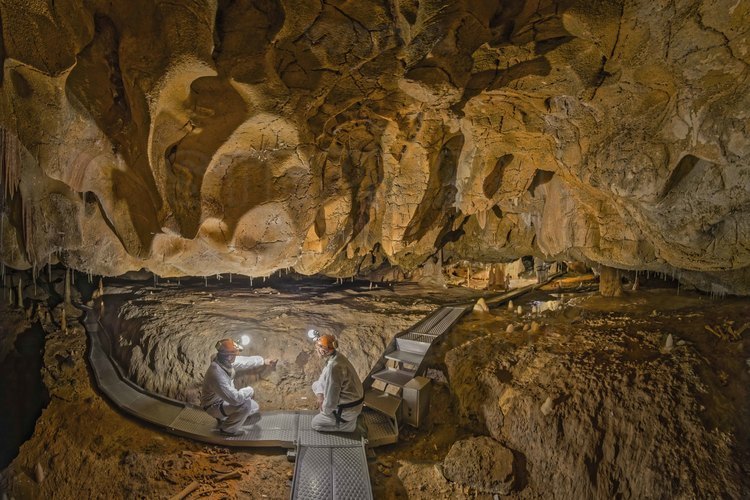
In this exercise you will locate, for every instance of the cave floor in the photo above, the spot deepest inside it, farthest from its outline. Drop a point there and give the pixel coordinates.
(81, 447)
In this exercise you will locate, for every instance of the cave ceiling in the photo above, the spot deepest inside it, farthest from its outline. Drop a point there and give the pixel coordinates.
(197, 137)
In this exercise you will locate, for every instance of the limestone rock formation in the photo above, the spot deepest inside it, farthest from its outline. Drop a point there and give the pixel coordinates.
(482, 463)
(204, 137)
(588, 415)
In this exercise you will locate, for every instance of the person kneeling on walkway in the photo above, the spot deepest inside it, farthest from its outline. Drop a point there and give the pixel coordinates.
(219, 398)
(338, 391)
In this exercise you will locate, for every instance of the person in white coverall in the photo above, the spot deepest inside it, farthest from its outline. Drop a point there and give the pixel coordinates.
(219, 398)
(339, 391)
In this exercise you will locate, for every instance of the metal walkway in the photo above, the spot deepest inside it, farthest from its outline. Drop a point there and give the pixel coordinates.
(328, 465)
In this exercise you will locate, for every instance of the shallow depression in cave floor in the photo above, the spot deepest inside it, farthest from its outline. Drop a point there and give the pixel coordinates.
(602, 363)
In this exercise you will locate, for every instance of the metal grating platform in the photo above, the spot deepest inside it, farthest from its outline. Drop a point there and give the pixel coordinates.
(350, 466)
(310, 482)
(427, 325)
(447, 321)
(193, 419)
(315, 438)
(324, 473)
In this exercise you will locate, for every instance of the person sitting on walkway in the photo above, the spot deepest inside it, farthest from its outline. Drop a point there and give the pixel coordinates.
(219, 398)
(339, 391)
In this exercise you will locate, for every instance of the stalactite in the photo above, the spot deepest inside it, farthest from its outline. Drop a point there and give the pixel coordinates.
(63, 320)
(10, 155)
(26, 228)
(230, 277)
(10, 164)
(67, 285)
(20, 292)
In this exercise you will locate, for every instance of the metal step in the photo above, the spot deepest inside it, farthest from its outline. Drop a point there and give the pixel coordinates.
(414, 346)
(383, 402)
(405, 357)
(381, 430)
(399, 378)
(420, 337)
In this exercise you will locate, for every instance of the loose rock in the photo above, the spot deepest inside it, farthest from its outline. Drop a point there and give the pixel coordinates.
(669, 344)
(547, 406)
(481, 306)
(39, 473)
(480, 463)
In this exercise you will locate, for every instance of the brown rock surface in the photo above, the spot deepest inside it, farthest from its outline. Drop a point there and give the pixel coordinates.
(211, 137)
(595, 408)
(481, 463)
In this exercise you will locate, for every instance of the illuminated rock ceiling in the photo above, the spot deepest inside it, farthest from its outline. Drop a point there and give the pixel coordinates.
(201, 137)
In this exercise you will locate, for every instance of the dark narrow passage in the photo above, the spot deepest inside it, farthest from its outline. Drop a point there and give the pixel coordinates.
(22, 393)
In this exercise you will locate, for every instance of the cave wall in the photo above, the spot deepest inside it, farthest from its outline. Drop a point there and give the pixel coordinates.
(214, 136)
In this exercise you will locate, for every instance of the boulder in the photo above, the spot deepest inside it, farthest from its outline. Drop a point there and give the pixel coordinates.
(480, 463)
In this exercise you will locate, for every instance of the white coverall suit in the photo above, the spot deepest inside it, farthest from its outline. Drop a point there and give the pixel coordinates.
(340, 385)
(221, 400)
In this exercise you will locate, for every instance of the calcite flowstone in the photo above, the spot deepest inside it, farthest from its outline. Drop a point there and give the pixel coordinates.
(195, 138)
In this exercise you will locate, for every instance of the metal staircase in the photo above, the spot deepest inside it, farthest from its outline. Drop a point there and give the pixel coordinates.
(395, 391)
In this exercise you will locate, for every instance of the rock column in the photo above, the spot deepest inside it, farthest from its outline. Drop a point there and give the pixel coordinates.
(609, 282)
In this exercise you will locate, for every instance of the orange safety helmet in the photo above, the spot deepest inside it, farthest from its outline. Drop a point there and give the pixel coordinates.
(228, 346)
(327, 342)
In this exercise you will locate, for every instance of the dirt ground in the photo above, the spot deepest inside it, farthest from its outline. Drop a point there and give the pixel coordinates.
(628, 416)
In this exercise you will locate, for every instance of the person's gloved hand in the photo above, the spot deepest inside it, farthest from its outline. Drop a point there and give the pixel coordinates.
(247, 392)
(271, 362)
